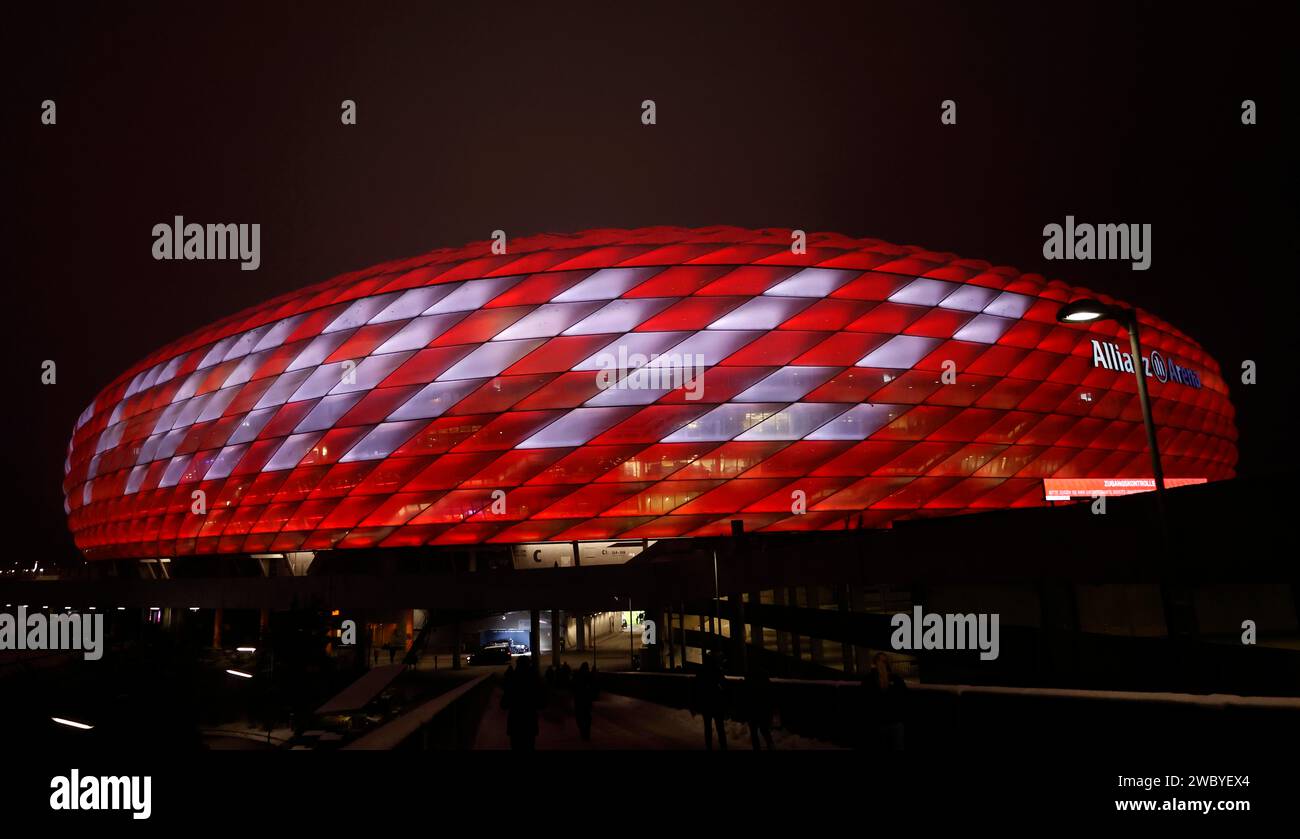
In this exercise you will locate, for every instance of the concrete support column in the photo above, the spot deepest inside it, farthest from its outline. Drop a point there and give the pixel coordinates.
(681, 624)
(792, 600)
(738, 651)
(362, 660)
(455, 646)
(862, 654)
(263, 623)
(581, 622)
(663, 636)
(535, 638)
(631, 636)
(815, 644)
(782, 637)
(216, 628)
(672, 644)
(755, 627)
(555, 638)
(846, 649)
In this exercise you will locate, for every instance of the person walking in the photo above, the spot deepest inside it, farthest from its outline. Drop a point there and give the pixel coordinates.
(522, 700)
(584, 692)
(886, 699)
(758, 706)
(709, 699)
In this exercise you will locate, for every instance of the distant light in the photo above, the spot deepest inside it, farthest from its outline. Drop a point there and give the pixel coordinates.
(72, 723)
(240, 673)
(194, 608)
(121, 608)
(246, 649)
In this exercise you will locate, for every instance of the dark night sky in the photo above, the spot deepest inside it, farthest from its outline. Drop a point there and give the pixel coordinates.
(526, 117)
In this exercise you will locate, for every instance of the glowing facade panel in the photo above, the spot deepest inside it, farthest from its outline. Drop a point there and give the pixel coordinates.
(625, 384)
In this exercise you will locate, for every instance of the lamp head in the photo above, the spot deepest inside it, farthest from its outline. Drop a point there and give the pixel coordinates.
(1086, 310)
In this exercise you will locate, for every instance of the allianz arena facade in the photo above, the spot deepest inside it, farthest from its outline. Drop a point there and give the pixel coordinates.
(615, 384)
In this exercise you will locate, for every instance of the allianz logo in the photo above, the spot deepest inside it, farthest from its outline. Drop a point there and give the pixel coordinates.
(1154, 365)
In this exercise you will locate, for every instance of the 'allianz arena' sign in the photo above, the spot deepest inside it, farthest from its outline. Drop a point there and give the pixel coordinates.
(1154, 365)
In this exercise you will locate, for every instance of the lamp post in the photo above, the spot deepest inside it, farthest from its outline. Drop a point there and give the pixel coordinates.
(631, 642)
(1180, 618)
(717, 602)
(1084, 311)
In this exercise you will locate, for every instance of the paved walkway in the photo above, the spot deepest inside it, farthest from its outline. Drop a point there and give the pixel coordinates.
(621, 722)
(613, 649)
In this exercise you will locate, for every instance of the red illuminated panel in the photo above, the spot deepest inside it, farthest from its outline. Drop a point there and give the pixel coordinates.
(652, 383)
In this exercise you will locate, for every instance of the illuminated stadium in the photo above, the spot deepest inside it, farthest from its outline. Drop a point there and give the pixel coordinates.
(629, 385)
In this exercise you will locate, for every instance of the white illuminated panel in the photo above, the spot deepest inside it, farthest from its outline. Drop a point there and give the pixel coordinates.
(812, 282)
(435, 398)
(901, 351)
(761, 313)
(605, 284)
(723, 422)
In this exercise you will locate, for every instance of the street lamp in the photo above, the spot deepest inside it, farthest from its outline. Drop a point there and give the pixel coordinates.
(631, 639)
(631, 642)
(1085, 311)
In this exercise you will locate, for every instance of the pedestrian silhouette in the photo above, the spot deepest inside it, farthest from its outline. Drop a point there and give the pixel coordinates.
(522, 700)
(758, 705)
(709, 700)
(584, 692)
(886, 706)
